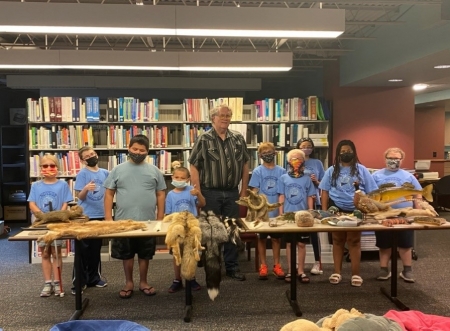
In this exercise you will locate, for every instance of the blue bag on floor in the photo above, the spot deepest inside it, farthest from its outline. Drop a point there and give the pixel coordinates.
(95, 325)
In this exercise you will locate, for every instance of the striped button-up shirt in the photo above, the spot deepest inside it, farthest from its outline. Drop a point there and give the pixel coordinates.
(210, 155)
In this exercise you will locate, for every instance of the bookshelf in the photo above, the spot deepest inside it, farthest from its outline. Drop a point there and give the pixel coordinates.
(14, 184)
(62, 125)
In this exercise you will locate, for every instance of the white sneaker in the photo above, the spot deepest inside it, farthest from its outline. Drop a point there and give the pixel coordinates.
(47, 290)
(317, 269)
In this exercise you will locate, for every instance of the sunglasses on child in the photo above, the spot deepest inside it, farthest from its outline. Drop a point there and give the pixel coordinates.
(45, 166)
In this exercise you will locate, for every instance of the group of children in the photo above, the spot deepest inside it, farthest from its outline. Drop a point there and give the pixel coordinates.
(139, 189)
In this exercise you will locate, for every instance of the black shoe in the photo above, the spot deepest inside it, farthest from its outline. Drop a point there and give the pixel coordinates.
(236, 275)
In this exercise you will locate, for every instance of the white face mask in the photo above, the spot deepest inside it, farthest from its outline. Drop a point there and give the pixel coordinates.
(179, 183)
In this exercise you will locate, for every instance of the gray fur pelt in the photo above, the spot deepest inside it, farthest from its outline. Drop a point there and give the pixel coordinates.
(214, 235)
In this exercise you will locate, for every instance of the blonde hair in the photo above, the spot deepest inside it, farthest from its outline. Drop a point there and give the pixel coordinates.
(50, 157)
(215, 111)
(265, 146)
(394, 150)
(294, 151)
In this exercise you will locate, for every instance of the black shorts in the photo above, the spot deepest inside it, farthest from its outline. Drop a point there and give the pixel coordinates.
(127, 248)
(405, 239)
(272, 235)
(300, 237)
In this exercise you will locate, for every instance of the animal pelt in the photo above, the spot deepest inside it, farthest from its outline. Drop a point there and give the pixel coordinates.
(89, 229)
(184, 238)
(60, 216)
(233, 226)
(258, 207)
(214, 234)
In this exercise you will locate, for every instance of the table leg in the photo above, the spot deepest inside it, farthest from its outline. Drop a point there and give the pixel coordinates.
(292, 293)
(188, 307)
(80, 305)
(393, 294)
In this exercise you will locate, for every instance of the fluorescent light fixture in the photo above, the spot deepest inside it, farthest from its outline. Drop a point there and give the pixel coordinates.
(129, 60)
(419, 87)
(394, 80)
(195, 61)
(206, 21)
(442, 66)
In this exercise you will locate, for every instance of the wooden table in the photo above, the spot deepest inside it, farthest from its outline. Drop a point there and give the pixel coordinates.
(290, 228)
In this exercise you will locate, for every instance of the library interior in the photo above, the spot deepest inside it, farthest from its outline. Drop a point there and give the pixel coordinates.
(360, 77)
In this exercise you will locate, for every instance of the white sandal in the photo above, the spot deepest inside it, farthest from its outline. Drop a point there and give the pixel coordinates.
(335, 279)
(356, 281)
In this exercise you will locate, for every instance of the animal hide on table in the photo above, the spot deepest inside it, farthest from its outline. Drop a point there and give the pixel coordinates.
(258, 207)
(60, 216)
(214, 234)
(89, 229)
(184, 237)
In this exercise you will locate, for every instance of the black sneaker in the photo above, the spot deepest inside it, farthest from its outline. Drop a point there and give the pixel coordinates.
(176, 286)
(236, 275)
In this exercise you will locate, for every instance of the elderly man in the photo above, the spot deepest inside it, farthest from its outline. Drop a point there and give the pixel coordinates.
(219, 161)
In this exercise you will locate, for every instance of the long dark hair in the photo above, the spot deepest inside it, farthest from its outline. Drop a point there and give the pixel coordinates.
(308, 140)
(337, 161)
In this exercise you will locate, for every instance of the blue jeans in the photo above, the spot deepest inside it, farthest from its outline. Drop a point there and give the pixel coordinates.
(223, 203)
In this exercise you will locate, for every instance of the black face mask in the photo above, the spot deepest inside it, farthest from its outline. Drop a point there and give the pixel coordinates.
(137, 158)
(347, 157)
(92, 161)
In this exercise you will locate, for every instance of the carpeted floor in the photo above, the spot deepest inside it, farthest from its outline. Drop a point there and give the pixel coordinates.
(253, 304)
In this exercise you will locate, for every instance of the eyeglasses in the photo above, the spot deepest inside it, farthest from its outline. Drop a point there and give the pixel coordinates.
(393, 159)
(89, 156)
(45, 166)
(224, 116)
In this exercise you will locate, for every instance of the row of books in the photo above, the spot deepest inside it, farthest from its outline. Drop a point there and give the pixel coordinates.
(110, 136)
(74, 109)
(129, 109)
(197, 110)
(294, 109)
(69, 163)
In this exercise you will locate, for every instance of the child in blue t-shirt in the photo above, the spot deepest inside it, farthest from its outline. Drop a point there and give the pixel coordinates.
(46, 195)
(264, 179)
(183, 198)
(296, 193)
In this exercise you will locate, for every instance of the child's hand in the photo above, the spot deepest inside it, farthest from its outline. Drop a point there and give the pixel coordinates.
(313, 178)
(195, 192)
(90, 186)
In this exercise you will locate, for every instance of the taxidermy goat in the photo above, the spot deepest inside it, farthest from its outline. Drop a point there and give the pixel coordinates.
(184, 237)
(214, 234)
(60, 216)
(258, 207)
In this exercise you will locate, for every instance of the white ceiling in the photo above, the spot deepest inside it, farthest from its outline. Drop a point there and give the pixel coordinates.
(383, 39)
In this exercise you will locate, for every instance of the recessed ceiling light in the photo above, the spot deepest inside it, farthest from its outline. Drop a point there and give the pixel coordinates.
(442, 66)
(419, 87)
(395, 80)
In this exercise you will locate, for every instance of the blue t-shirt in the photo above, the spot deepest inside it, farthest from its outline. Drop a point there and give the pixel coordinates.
(398, 177)
(181, 201)
(55, 194)
(296, 192)
(266, 180)
(343, 193)
(136, 186)
(315, 166)
(93, 204)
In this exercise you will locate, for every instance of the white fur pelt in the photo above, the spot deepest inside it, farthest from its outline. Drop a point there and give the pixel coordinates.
(214, 235)
(184, 237)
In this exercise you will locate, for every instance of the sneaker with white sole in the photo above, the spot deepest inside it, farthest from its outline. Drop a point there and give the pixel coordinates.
(101, 283)
(72, 290)
(47, 290)
(407, 276)
(384, 275)
(57, 289)
(317, 268)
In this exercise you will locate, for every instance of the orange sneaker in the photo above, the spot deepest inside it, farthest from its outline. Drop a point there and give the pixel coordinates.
(278, 271)
(263, 272)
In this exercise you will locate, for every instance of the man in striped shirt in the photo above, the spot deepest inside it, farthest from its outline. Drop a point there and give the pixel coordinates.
(219, 161)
